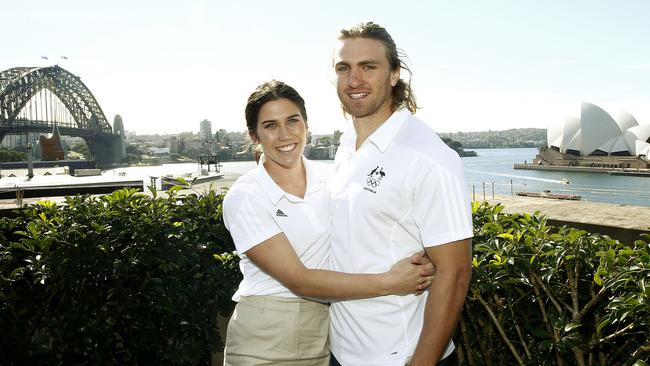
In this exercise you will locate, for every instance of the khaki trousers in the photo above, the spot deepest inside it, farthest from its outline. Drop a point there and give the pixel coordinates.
(268, 330)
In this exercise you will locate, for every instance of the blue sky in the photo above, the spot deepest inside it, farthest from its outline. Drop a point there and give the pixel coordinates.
(166, 65)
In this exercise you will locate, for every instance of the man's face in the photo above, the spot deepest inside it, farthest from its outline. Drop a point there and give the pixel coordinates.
(364, 80)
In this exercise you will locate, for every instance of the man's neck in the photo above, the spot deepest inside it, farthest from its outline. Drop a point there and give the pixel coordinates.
(366, 126)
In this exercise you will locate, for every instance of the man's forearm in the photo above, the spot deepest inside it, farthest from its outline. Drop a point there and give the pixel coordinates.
(442, 310)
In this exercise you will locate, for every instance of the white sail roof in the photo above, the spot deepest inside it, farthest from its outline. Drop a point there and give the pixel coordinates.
(596, 130)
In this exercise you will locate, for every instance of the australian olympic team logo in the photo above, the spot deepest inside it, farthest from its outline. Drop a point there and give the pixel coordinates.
(375, 177)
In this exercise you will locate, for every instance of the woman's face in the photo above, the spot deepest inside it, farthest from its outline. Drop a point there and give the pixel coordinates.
(282, 132)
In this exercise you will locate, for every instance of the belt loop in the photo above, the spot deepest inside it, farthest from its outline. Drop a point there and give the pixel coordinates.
(263, 304)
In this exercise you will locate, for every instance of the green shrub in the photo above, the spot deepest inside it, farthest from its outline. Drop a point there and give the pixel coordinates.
(545, 296)
(125, 278)
(132, 279)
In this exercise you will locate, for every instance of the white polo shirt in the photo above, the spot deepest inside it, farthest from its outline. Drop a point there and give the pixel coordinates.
(256, 208)
(401, 191)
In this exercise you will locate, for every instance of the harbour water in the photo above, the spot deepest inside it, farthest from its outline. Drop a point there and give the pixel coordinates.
(491, 171)
(494, 168)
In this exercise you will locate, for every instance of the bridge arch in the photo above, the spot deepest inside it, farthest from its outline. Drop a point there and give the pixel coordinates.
(19, 85)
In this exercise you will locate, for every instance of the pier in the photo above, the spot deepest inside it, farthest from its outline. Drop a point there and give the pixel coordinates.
(632, 172)
(621, 222)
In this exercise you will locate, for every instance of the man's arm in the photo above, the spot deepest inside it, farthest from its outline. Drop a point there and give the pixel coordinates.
(453, 263)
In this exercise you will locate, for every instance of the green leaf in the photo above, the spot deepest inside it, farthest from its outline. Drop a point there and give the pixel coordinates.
(571, 326)
(601, 325)
(506, 236)
(597, 279)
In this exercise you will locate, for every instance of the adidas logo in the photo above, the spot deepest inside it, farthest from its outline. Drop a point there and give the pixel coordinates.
(280, 213)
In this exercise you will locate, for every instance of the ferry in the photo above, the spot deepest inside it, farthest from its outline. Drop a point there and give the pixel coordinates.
(547, 194)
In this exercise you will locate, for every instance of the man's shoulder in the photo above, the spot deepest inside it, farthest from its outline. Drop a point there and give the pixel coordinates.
(419, 138)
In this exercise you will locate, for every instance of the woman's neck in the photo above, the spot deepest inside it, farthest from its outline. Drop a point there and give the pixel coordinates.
(292, 180)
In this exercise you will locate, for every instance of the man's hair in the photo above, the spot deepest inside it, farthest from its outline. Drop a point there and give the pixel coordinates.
(402, 92)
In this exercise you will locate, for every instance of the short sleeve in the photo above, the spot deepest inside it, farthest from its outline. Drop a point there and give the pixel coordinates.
(441, 205)
(248, 221)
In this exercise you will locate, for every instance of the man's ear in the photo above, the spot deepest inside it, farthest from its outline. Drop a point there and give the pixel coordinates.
(394, 77)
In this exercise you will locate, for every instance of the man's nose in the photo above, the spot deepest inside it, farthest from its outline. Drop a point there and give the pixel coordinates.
(354, 78)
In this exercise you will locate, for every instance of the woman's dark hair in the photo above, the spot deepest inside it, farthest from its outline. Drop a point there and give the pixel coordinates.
(402, 93)
(267, 92)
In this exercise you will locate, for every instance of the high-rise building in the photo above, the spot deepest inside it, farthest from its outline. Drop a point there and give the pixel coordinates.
(205, 131)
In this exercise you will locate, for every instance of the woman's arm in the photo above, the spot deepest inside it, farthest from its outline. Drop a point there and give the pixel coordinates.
(276, 257)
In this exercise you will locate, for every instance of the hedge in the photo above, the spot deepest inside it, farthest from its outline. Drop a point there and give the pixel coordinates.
(121, 279)
(129, 279)
(553, 296)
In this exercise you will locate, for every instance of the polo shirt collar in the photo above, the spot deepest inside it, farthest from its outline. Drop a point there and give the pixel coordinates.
(383, 136)
(275, 193)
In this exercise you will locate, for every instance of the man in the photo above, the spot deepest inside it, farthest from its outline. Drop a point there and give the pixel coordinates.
(397, 188)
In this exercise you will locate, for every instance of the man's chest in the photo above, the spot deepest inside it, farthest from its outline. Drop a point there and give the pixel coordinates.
(375, 185)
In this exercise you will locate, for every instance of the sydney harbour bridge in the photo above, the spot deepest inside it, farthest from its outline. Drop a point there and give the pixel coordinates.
(36, 99)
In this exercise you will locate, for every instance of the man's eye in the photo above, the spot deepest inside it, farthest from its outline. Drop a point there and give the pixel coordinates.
(341, 69)
(269, 125)
(369, 67)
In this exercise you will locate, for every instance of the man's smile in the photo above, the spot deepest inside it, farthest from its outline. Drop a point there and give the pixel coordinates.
(357, 95)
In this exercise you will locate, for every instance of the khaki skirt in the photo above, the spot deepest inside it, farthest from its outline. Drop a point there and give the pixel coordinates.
(269, 330)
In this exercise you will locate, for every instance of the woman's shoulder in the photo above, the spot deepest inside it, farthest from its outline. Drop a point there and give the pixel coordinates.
(244, 188)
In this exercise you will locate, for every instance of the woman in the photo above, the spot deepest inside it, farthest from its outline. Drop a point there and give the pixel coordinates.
(278, 216)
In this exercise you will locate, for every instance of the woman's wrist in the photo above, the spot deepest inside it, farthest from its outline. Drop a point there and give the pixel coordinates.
(386, 284)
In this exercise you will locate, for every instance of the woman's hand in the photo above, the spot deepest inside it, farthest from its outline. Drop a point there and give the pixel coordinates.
(411, 275)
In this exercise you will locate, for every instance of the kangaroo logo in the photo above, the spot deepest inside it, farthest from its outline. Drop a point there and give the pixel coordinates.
(375, 177)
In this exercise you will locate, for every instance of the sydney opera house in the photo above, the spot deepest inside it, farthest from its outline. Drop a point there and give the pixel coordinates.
(596, 140)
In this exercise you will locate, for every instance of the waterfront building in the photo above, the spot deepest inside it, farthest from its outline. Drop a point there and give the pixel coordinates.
(595, 139)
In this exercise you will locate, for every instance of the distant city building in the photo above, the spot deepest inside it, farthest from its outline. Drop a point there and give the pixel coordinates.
(130, 134)
(159, 151)
(205, 131)
(176, 145)
(14, 141)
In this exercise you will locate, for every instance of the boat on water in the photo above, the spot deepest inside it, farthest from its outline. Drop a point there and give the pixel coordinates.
(565, 181)
(547, 194)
